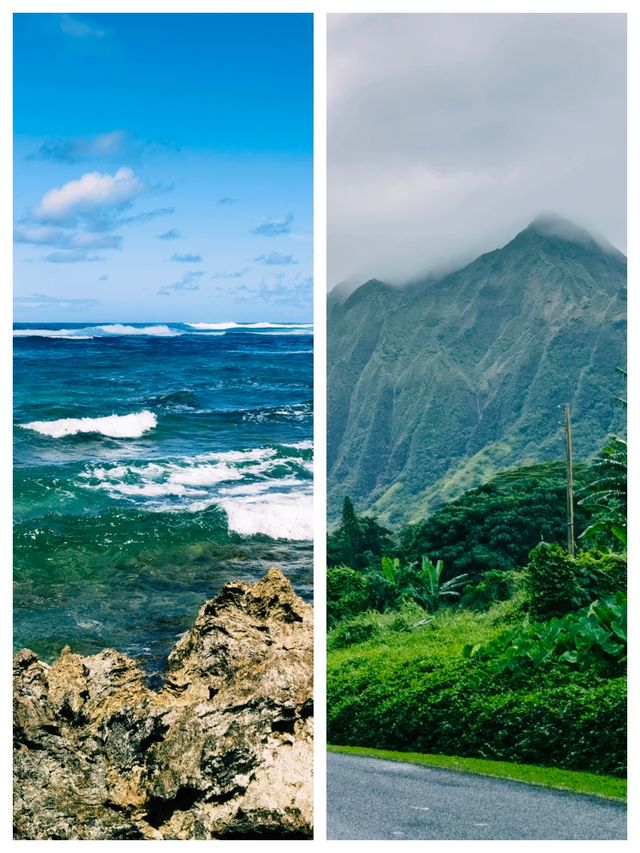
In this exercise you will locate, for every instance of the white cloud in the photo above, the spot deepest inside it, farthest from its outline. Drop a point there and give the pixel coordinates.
(39, 235)
(60, 238)
(76, 257)
(39, 301)
(80, 29)
(89, 196)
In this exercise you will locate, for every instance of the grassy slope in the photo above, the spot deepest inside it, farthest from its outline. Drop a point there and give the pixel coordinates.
(549, 777)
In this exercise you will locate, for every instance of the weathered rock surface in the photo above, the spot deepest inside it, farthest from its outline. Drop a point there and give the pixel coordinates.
(223, 750)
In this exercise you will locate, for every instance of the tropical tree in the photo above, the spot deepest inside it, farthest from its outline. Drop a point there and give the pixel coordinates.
(432, 590)
(358, 540)
(424, 586)
(605, 496)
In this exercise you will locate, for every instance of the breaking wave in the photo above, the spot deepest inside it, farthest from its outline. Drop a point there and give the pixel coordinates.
(113, 426)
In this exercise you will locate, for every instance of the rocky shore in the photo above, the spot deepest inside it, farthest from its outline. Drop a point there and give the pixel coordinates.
(223, 750)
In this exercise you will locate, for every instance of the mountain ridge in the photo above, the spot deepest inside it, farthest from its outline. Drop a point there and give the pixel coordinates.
(436, 386)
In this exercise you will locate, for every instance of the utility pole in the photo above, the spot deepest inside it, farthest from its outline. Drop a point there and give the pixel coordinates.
(571, 541)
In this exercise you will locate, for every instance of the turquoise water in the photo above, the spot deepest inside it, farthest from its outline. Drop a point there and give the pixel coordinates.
(154, 462)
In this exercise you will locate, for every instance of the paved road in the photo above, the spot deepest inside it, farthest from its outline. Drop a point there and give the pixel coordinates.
(369, 798)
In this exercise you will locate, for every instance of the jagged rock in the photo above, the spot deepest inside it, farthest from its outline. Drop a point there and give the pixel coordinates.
(223, 750)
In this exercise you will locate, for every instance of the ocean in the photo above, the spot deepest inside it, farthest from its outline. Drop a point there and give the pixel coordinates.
(152, 464)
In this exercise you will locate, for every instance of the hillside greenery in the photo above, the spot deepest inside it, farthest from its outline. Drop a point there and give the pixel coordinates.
(473, 633)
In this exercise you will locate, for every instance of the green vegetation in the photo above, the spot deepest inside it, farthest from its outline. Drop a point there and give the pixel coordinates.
(605, 497)
(520, 658)
(357, 540)
(496, 525)
(549, 777)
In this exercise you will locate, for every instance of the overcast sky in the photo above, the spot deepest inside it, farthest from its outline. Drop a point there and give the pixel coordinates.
(447, 134)
(163, 167)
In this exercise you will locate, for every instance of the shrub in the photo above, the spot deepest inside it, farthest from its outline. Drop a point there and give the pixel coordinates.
(348, 632)
(592, 638)
(347, 593)
(495, 586)
(553, 582)
(388, 698)
(601, 574)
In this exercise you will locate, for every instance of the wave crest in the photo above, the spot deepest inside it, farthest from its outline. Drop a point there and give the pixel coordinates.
(112, 426)
(61, 334)
(160, 331)
(233, 325)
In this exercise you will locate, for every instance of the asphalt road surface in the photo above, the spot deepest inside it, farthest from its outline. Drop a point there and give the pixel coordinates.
(369, 798)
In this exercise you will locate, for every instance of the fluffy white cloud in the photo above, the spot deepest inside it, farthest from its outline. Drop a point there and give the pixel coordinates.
(90, 196)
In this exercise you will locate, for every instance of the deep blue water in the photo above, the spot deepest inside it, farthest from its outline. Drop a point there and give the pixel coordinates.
(154, 462)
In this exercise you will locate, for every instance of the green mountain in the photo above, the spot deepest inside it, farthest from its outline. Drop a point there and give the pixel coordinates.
(434, 387)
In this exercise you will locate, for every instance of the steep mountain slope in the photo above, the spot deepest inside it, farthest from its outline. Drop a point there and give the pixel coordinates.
(434, 387)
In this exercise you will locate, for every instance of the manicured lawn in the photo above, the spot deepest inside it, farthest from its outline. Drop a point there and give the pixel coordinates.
(611, 787)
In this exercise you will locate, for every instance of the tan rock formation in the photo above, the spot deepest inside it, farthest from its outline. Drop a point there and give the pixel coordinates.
(223, 750)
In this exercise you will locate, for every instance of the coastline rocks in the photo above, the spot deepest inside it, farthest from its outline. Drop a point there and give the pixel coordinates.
(223, 750)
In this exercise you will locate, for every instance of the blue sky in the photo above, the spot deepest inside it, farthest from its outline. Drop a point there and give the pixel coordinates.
(163, 167)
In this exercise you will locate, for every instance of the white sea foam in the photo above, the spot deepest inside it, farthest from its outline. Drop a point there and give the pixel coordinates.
(150, 490)
(232, 325)
(61, 334)
(113, 426)
(239, 456)
(204, 475)
(280, 515)
(212, 326)
(296, 412)
(293, 330)
(157, 331)
(260, 487)
(239, 482)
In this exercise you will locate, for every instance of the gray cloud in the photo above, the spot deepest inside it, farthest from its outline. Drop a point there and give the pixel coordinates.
(447, 133)
(275, 259)
(189, 281)
(275, 227)
(187, 258)
(172, 234)
(104, 278)
(226, 199)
